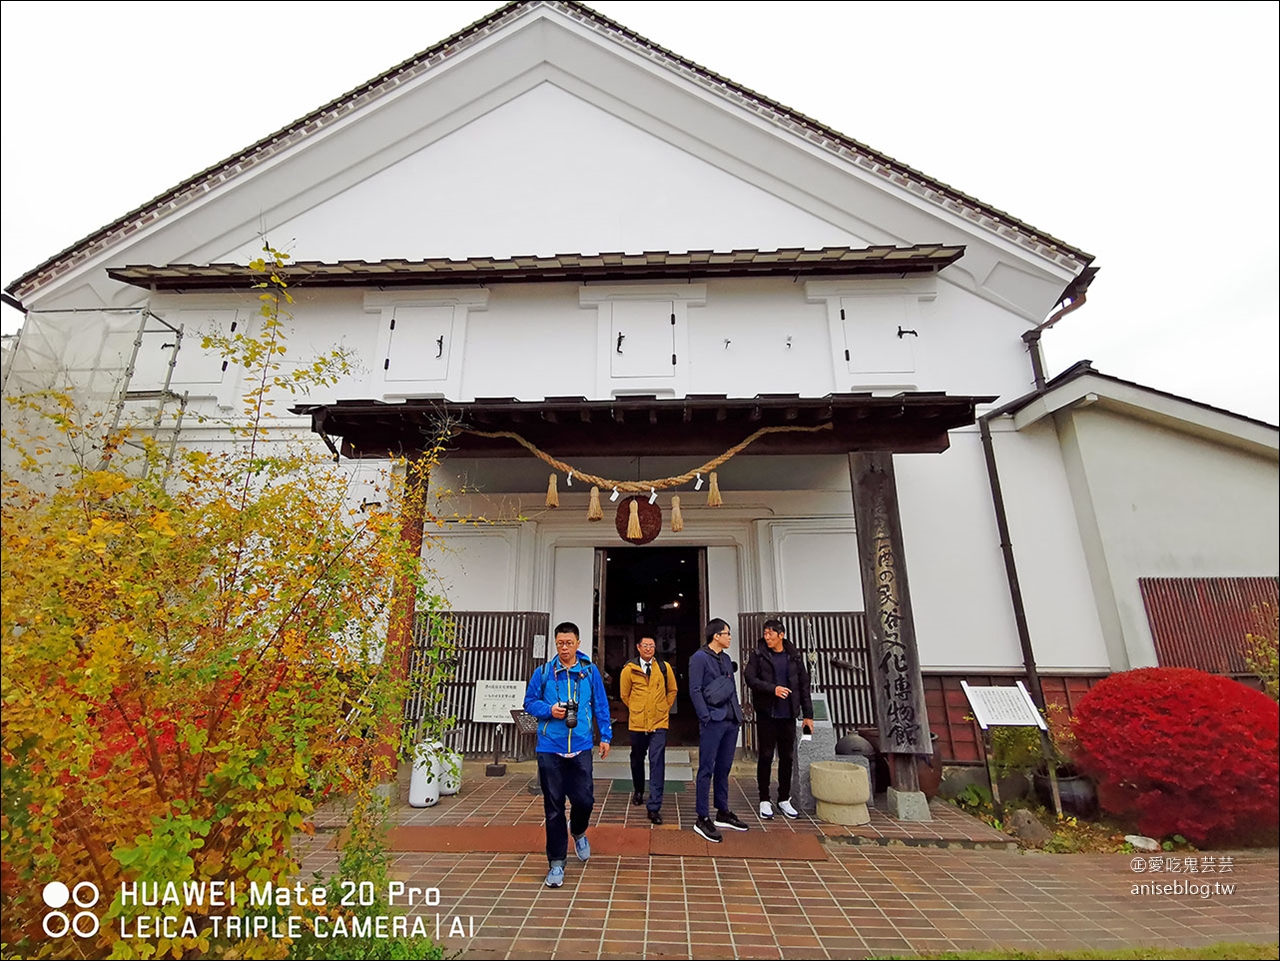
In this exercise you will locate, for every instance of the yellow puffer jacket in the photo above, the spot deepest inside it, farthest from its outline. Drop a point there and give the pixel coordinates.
(648, 699)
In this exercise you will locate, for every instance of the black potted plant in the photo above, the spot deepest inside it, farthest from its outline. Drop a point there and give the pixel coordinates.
(1078, 793)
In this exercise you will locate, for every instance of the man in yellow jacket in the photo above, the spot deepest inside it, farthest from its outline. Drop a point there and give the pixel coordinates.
(648, 688)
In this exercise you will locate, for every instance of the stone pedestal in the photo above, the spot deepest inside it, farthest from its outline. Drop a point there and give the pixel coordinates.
(821, 748)
(842, 792)
(802, 791)
(908, 805)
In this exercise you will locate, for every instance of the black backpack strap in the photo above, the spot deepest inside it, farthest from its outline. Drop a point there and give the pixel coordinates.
(662, 670)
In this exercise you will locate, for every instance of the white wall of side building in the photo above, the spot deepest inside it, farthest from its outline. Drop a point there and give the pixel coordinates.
(1157, 502)
(1053, 572)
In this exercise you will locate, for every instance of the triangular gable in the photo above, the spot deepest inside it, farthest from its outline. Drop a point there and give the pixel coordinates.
(1082, 386)
(856, 157)
(548, 172)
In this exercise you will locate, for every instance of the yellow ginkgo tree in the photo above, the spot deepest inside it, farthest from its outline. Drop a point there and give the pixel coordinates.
(192, 657)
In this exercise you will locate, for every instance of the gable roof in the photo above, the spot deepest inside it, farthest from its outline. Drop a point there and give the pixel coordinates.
(1081, 386)
(860, 155)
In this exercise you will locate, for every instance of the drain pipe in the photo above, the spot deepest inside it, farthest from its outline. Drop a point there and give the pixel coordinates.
(1032, 339)
(1010, 565)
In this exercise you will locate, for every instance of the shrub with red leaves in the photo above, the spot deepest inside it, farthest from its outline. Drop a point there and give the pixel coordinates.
(1184, 752)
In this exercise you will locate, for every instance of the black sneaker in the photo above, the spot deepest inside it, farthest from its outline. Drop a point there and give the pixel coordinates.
(727, 819)
(707, 829)
(637, 799)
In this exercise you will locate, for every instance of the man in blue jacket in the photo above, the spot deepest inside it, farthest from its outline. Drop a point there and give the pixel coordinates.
(715, 699)
(565, 695)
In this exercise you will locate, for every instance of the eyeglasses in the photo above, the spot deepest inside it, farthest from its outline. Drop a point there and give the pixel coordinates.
(723, 634)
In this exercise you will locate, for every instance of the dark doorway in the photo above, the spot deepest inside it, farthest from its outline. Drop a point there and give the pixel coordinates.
(657, 592)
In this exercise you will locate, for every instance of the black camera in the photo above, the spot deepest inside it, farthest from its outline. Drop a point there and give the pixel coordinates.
(571, 714)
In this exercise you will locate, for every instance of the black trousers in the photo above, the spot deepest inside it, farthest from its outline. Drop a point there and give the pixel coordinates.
(654, 743)
(561, 778)
(779, 732)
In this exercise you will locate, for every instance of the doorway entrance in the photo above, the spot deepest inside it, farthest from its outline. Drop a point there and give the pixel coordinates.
(657, 592)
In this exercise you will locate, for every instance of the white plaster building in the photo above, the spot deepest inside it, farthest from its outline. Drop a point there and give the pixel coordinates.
(448, 216)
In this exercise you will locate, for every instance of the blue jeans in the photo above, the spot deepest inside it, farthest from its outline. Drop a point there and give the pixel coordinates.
(560, 778)
(655, 742)
(716, 745)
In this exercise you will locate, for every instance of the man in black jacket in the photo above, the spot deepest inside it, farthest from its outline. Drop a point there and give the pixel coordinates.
(779, 684)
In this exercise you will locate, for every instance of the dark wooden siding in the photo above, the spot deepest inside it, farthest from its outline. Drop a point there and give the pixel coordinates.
(959, 736)
(826, 638)
(492, 645)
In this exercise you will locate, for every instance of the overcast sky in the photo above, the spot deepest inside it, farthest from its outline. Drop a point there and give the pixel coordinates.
(1144, 134)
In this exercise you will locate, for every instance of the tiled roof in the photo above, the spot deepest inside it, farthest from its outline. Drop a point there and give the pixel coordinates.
(650, 265)
(862, 156)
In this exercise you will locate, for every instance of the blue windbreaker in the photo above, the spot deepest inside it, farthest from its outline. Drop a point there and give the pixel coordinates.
(552, 684)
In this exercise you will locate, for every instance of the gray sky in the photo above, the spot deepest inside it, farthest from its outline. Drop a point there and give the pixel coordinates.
(1146, 135)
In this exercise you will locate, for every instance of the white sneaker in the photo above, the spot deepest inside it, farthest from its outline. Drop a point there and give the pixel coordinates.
(786, 808)
(766, 810)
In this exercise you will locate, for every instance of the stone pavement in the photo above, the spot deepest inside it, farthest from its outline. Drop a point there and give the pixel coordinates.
(875, 895)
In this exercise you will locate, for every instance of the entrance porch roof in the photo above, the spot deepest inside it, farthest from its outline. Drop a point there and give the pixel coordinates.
(632, 426)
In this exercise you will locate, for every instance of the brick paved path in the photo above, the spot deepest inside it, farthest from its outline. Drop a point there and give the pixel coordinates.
(868, 900)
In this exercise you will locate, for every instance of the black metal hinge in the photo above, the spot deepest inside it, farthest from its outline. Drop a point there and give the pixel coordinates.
(386, 364)
(846, 353)
(673, 360)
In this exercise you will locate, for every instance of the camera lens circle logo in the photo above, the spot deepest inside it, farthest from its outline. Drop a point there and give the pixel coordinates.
(59, 923)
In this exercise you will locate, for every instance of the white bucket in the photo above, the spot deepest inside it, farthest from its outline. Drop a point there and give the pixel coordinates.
(428, 770)
(451, 775)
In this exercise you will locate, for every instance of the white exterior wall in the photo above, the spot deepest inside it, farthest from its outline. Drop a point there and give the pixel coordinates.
(958, 592)
(1154, 502)
(573, 597)
(460, 194)
(1053, 573)
(531, 341)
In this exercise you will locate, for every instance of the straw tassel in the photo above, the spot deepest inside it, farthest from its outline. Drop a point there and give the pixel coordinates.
(677, 519)
(553, 496)
(633, 522)
(594, 513)
(713, 495)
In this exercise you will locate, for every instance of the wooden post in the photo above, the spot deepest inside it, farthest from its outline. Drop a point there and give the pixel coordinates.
(989, 762)
(497, 768)
(897, 685)
(404, 602)
(1046, 749)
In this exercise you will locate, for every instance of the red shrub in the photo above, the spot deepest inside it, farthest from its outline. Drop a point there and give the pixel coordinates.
(1185, 752)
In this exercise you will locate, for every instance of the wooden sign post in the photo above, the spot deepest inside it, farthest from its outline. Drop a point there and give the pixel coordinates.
(898, 687)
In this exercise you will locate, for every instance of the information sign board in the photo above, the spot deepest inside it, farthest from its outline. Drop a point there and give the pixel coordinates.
(495, 700)
(1003, 706)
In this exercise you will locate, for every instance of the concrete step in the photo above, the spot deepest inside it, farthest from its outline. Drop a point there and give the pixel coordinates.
(612, 770)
